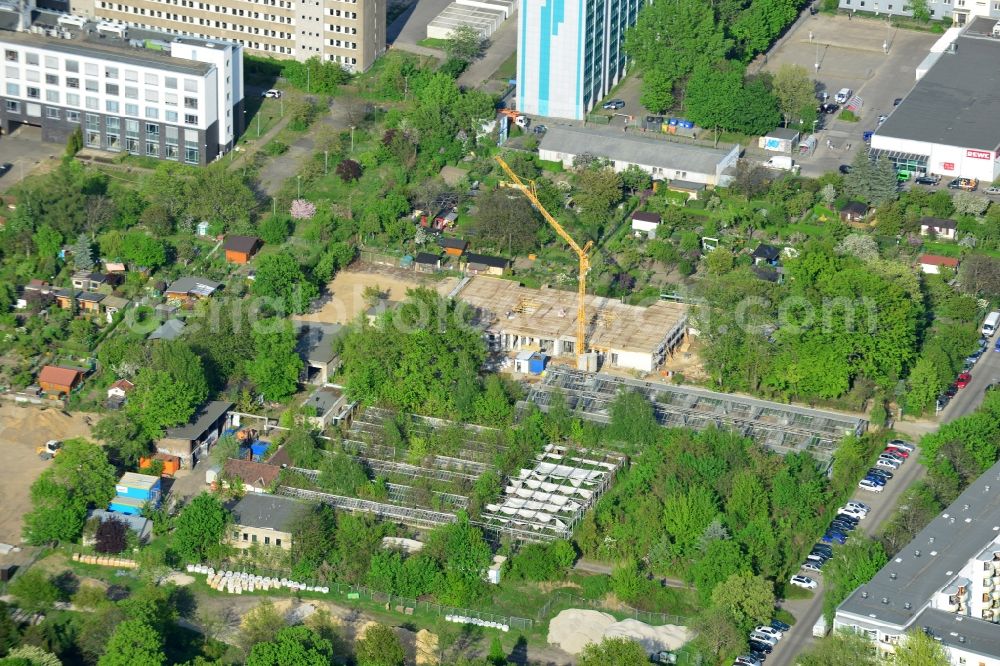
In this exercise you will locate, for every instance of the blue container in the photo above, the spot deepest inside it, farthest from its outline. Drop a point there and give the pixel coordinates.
(536, 364)
(687, 124)
(672, 121)
(258, 449)
(406, 261)
(126, 505)
(138, 486)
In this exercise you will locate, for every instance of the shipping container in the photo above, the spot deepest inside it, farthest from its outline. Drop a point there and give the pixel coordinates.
(127, 505)
(139, 486)
(170, 463)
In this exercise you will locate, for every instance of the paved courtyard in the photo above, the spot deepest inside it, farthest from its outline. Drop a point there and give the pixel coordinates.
(24, 150)
(850, 54)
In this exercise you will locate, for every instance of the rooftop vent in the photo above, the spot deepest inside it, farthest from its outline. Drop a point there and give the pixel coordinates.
(961, 639)
(933, 553)
(885, 600)
(965, 507)
(893, 575)
(864, 595)
(907, 605)
(916, 553)
(931, 540)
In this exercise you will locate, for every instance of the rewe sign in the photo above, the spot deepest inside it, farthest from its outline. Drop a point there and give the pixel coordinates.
(979, 154)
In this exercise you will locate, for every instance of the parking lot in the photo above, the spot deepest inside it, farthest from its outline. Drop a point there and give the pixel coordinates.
(25, 151)
(850, 54)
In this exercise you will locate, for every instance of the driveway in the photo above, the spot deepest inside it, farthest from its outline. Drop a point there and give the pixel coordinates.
(24, 150)
(411, 26)
(502, 45)
(984, 373)
(850, 54)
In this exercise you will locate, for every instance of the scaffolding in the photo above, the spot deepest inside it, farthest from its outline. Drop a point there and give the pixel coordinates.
(400, 494)
(782, 428)
(549, 499)
(479, 443)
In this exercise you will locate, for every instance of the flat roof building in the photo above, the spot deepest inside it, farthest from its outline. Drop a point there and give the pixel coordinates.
(661, 158)
(180, 100)
(945, 582)
(948, 125)
(625, 336)
(265, 520)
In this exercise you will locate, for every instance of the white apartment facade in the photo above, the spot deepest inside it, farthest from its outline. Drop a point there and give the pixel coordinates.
(183, 104)
(348, 32)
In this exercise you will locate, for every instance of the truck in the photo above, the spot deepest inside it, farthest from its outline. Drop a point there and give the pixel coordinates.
(783, 162)
(990, 325)
(820, 629)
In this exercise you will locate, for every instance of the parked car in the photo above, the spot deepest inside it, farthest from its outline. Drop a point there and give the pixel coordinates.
(763, 638)
(882, 118)
(614, 104)
(885, 463)
(892, 456)
(746, 661)
(759, 656)
(967, 184)
(817, 558)
(865, 484)
(845, 169)
(5, 167)
(855, 504)
(942, 402)
(540, 129)
(780, 626)
(823, 548)
(951, 391)
(897, 101)
(757, 646)
(902, 445)
(898, 452)
(829, 108)
(854, 512)
(769, 631)
(963, 380)
(837, 537)
(847, 519)
(812, 567)
(804, 582)
(996, 347)
(928, 179)
(272, 93)
(885, 474)
(993, 190)
(877, 480)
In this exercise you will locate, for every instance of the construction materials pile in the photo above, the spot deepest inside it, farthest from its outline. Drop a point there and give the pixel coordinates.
(238, 582)
(573, 629)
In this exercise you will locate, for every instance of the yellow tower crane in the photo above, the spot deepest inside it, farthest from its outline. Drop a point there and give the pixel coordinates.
(581, 252)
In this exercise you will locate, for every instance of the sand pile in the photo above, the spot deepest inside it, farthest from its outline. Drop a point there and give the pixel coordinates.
(571, 630)
(427, 648)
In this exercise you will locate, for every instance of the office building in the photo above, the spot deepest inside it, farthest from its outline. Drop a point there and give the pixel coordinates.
(179, 101)
(570, 54)
(348, 32)
(959, 11)
(947, 124)
(946, 582)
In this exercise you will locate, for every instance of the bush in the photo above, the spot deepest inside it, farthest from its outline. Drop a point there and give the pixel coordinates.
(849, 116)
(112, 537)
(276, 148)
(595, 587)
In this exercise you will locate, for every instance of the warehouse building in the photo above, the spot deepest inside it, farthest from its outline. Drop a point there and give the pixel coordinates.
(518, 318)
(661, 158)
(947, 125)
(960, 12)
(946, 582)
(180, 101)
(483, 16)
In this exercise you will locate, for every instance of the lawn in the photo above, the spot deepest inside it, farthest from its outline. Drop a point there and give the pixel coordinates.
(433, 43)
(507, 70)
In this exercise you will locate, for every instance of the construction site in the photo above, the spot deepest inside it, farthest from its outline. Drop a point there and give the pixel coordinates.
(779, 427)
(518, 318)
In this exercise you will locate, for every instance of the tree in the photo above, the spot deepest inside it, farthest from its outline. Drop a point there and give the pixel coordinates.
(967, 203)
(31, 655)
(280, 278)
(979, 275)
(719, 635)
(862, 246)
(83, 253)
(506, 221)
(924, 384)
(8, 629)
(143, 250)
(124, 438)
(921, 12)
(598, 189)
(841, 648)
(112, 536)
(348, 170)
(169, 391)
(919, 649)
(275, 229)
(315, 75)
(34, 591)
(751, 178)
(277, 365)
(636, 179)
(200, 528)
(464, 44)
(871, 182)
(717, 97)
(222, 196)
(745, 599)
(856, 564)
(794, 89)
(617, 651)
(47, 241)
(74, 142)
(722, 558)
(657, 91)
(464, 555)
(379, 647)
(293, 646)
(134, 643)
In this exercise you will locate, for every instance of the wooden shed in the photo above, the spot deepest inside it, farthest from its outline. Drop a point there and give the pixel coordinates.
(58, 380)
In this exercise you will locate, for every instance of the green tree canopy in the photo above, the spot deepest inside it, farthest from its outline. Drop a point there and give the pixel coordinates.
(280, 278)
(200, 528)
(379, 647)
(293, 646)
(134, 643)
(613, 652)
(170, 390)
(276, 367)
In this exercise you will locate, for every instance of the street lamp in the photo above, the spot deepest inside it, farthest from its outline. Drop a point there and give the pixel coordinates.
(326, 158)
(352, 138)
(298, 180)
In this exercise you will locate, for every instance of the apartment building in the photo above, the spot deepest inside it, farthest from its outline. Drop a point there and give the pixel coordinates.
(179, 101)
(959, 11)
(946, 582)
(570, 54)
(348, 32)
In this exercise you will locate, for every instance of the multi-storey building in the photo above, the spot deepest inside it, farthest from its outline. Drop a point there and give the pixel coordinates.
(180, 101)
(349, 32)
(570, 54)
(946, 582)
(959, 11)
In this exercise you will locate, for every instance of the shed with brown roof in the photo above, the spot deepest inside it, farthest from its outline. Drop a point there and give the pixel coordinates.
(240, 249)
(57, 380)
(256, 477)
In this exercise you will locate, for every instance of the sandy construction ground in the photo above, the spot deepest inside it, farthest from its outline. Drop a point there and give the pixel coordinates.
(21, 430)
(345, 294)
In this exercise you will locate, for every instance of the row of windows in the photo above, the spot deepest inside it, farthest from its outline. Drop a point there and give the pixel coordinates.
(222, 25)
(341, 14)
(184, 18)
(94, 104)
(111, 89)
(246, 43)
(252, 538)
(344, 29)
(342, 44)
(343, 60)
(219, 8)
(89, 69)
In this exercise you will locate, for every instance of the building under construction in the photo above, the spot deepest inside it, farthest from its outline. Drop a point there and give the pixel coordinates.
(625, 336)
(782, 428)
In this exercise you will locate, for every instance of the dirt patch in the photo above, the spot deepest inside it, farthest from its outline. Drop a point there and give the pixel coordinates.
(22, 429)
(345, 294)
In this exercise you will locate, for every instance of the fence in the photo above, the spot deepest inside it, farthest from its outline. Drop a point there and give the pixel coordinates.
(561, 597)
(398, 603)
(379, 257)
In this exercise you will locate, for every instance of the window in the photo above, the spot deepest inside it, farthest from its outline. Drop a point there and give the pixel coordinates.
(73, 116)
(190, 119)
(111, 89)
(92, 103)
(32, 75)
(72, 66)
(246, 537)
(51, 113)
(10, 55)
(191, 103)
(152, 79)
(93, 121)
(12, 106)
(153, 149)
(112, 124)
(52, 79)
(34, 93)
(152, 112)
(170, 98)
(267, 541)
(171, 116)
(72, 99)
(91, 86)
(90, 69)
(236, 534)
(253, 538)
(111, 72)
(93, 139)
(13, 89)
(113, 142)
(51, 62)
(13, 72)
(31, 58)
(170, 82)
(72, 82)
(277, 542)
(152, 132)
(190, 153)
(131, 109)
(131, 75)
(52, 96)
(152, 95)
(190, 85)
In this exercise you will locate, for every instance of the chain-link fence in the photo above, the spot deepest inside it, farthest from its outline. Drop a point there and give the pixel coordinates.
(561, 598)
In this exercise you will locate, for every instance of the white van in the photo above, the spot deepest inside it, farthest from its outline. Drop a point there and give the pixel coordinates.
(991, 323)
(843, 95)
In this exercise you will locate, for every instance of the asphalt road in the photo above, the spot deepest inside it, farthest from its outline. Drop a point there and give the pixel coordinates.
(985, 372)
